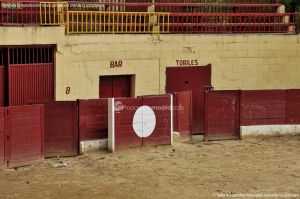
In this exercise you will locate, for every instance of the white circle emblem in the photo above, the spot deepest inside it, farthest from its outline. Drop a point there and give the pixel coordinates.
(144, 121)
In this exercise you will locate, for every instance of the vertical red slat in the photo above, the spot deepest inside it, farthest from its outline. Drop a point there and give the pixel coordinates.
(2, 138)
(293, 106)
(183, 112)
(2, 81)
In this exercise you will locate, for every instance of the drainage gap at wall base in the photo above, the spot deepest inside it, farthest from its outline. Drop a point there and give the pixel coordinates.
(180, 137)
(93, 145)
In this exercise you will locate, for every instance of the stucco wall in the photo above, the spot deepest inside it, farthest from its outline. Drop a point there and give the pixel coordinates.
(238, 61)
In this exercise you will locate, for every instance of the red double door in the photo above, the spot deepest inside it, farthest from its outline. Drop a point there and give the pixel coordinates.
(115, 86)
(196, 79)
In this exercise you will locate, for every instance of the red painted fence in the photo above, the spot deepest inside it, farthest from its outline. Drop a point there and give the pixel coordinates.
(138, 122)
(225, 111)
(232, 23)
(222, 115)
(263, 107)
(93, 119)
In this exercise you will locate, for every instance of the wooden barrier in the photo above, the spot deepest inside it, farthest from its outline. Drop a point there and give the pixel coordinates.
(138, 122)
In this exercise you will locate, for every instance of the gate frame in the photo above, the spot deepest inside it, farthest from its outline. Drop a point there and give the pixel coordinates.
(194, 127)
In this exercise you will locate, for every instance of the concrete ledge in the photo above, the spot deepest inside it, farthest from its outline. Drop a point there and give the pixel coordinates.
(93, 145)
(271, 130)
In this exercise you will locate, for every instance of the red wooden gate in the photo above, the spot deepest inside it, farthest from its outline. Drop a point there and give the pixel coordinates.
(195, 78)
(93, 119)
(182, 109)
(222, 115)
(61, 128)
(24, 130)
(30, 83)
(137, 122)
(30, 74)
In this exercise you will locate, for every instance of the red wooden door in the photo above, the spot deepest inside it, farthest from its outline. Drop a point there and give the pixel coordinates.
(121, 86)
(61, 128)
(222, 115)
(115, 86)
(195, 79)
(25, 135)
(106, 88)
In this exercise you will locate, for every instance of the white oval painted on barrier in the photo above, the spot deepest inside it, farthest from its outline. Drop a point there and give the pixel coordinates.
(144, 121)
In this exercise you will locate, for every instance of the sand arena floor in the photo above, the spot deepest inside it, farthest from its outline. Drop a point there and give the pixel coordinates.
(193, 169)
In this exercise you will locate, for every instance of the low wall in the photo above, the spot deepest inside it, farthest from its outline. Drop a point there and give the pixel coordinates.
(269, 130)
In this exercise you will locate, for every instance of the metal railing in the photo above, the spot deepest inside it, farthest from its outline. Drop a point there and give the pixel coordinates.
(121, 21)
(192, 1)
(53, 13)
(233, 23)
(117, 22)
(173, 7)
(19, 13)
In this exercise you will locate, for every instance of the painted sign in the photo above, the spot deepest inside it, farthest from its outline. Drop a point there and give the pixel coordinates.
(189, 62)
(68, 90)
(116, 64)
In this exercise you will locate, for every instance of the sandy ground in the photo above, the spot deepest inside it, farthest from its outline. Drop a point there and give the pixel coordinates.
(187, 170)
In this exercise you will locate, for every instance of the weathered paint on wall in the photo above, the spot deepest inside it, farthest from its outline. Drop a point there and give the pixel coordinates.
(249, 61)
